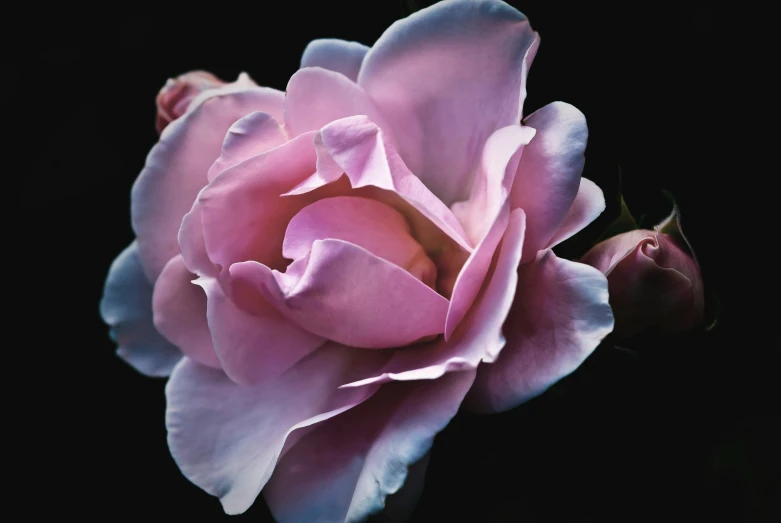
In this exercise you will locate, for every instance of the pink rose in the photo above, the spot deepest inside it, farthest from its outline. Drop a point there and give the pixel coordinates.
(327, 273)
(653, 279)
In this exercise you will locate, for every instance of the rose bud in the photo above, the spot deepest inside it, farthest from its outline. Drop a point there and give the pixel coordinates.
(653, 278)
(177, 94)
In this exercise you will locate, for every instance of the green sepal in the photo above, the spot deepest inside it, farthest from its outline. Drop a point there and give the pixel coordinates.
(625, 221)
(671, 226)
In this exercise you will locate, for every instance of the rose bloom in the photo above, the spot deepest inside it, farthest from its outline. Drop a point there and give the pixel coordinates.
(653, 278)
(328, 272)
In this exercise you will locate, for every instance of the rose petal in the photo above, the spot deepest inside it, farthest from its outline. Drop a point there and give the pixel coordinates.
(242, 213)
(376, 227)
(445, 78)
(494, 179)
(176, 169)
(400, 505)
(485, 215)
(316, 97)
(361, 151)
(606, 254)
(192, 244)
(273, 98)
(335, 55)
(479, 337)
(470, 279)
(226, 438)
(345, 293)
(255, 345)
(560, 315)
(589, 203)
(357, 147)
(126, 307)
(250, 136)
(180, 313)
(344, 469)
(548, 176)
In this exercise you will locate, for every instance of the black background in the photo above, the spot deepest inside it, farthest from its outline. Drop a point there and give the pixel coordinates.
(677, 429)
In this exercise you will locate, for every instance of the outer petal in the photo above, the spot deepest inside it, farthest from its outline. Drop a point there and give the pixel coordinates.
(445, 78)
(177, 165)
(316, 97)
(126, 307)
(180, 313)
(589, 203)
(336, 55)
(344, 293)
(548, 177)
(400, 505)
(479, 337)
(227, 438)
(273, 97)
(250, 136)
(560, 315)
(344, 469)
(192, 244)
(253, 346)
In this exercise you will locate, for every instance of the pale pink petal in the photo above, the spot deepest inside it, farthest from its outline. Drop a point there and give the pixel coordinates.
(589, 203)
(316, 97)
(606, 255)
(192, 244)
(445, 78)
(335, 55)
(180, 313)
(400, 505)
(359, 149)
(126, 306)
(479, 337)
(472, 276)
(345, 293)
(344, 468)
(242, 214)
(226, 438)
(254, 343)
(494, 179)
(177, 165)
(250, 136)
(376, 227)
(548, 177)
(273, 98)
(560, 315)
(485, 215)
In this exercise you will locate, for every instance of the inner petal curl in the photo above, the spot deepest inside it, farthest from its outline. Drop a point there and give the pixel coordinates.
(365, 222)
